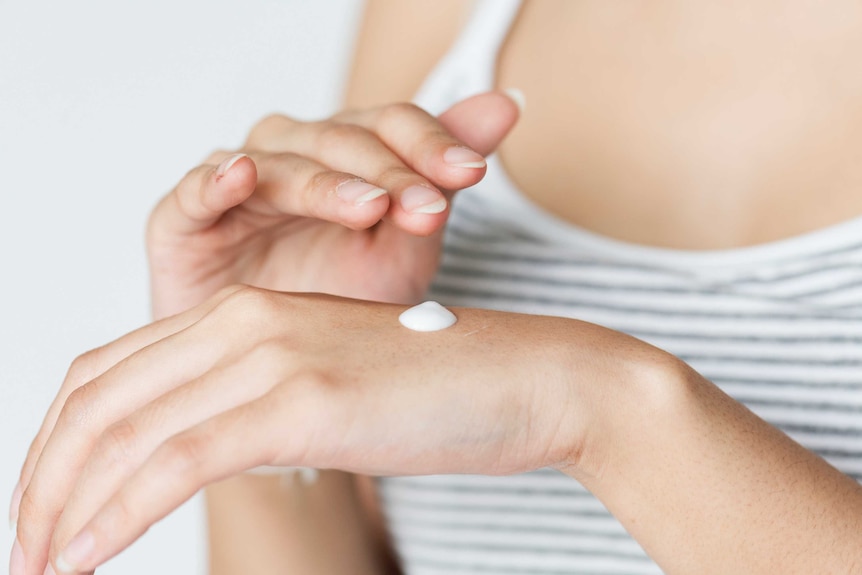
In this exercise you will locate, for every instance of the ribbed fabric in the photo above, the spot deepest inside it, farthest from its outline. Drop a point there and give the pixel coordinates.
(777, 326)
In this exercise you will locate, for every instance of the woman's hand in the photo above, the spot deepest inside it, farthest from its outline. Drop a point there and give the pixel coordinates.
(351, 206)
(254, 377)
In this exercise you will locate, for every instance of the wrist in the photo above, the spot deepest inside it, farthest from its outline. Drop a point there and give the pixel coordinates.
(635, 389)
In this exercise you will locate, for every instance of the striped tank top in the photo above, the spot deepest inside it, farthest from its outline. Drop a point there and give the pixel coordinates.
(777, 326)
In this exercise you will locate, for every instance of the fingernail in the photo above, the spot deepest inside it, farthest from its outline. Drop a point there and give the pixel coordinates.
(17, 566)
(461, 157)
(49, 570)
(13, 507)
(518, 97)
(76, 553)
(227, 163)
(358, 192)
(422, 200)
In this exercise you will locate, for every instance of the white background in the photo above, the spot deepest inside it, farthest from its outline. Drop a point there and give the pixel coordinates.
(104, 106)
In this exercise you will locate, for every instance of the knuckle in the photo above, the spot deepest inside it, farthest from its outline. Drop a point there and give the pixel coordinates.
(117, 445)
(250, 298)
(277, 357)
(332, 134)
(226, 291)
(247, 305)
(79, 408)
(83, 368)
(184, 454)
(393, 176)
(436, 135)
(396, 112)
(291, 164)
(266, 128)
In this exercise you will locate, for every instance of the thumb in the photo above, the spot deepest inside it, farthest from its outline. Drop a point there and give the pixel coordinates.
(482, 121)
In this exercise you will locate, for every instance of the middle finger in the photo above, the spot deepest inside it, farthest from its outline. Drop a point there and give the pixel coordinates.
(418, 204)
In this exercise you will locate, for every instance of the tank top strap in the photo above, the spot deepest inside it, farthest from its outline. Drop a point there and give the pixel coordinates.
(470, 64)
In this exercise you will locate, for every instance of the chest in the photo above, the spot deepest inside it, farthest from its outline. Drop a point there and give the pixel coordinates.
(688, 124)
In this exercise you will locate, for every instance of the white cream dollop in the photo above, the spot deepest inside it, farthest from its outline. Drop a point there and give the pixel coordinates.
(427, 316)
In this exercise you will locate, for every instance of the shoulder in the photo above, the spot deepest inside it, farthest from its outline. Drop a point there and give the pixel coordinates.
(398, 44)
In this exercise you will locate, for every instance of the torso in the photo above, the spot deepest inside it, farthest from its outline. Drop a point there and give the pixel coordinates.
(689, 124)
(637, 138)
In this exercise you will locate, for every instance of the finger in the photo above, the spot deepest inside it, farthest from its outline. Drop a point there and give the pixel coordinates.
(94, 363)
(422, 143)
(89, 407)
(88, 412)
(126, 444)
(448, 150)
(400, 148)
(417, 205)
(225, 445)
(205, 194)
(484, 120)
(268, 184)
(290, 184)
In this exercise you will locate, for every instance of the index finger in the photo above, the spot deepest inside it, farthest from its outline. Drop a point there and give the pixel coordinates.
(449, 150)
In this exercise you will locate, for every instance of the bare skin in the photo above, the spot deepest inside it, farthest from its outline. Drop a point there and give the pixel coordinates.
(686, 125)
(692, 127)
(711, 188)
(672, 124)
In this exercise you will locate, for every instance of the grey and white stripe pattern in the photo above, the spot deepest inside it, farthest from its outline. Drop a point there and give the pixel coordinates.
(778, 327)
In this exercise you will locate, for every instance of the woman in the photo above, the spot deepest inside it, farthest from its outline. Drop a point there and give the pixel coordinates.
(683, 172)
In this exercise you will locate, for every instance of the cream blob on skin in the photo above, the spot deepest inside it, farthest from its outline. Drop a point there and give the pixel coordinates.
(427, 316)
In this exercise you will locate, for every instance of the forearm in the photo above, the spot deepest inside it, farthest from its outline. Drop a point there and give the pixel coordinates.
(705, 486)
(259, 526)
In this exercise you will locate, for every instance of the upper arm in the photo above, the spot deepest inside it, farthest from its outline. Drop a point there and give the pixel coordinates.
(399, 42)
